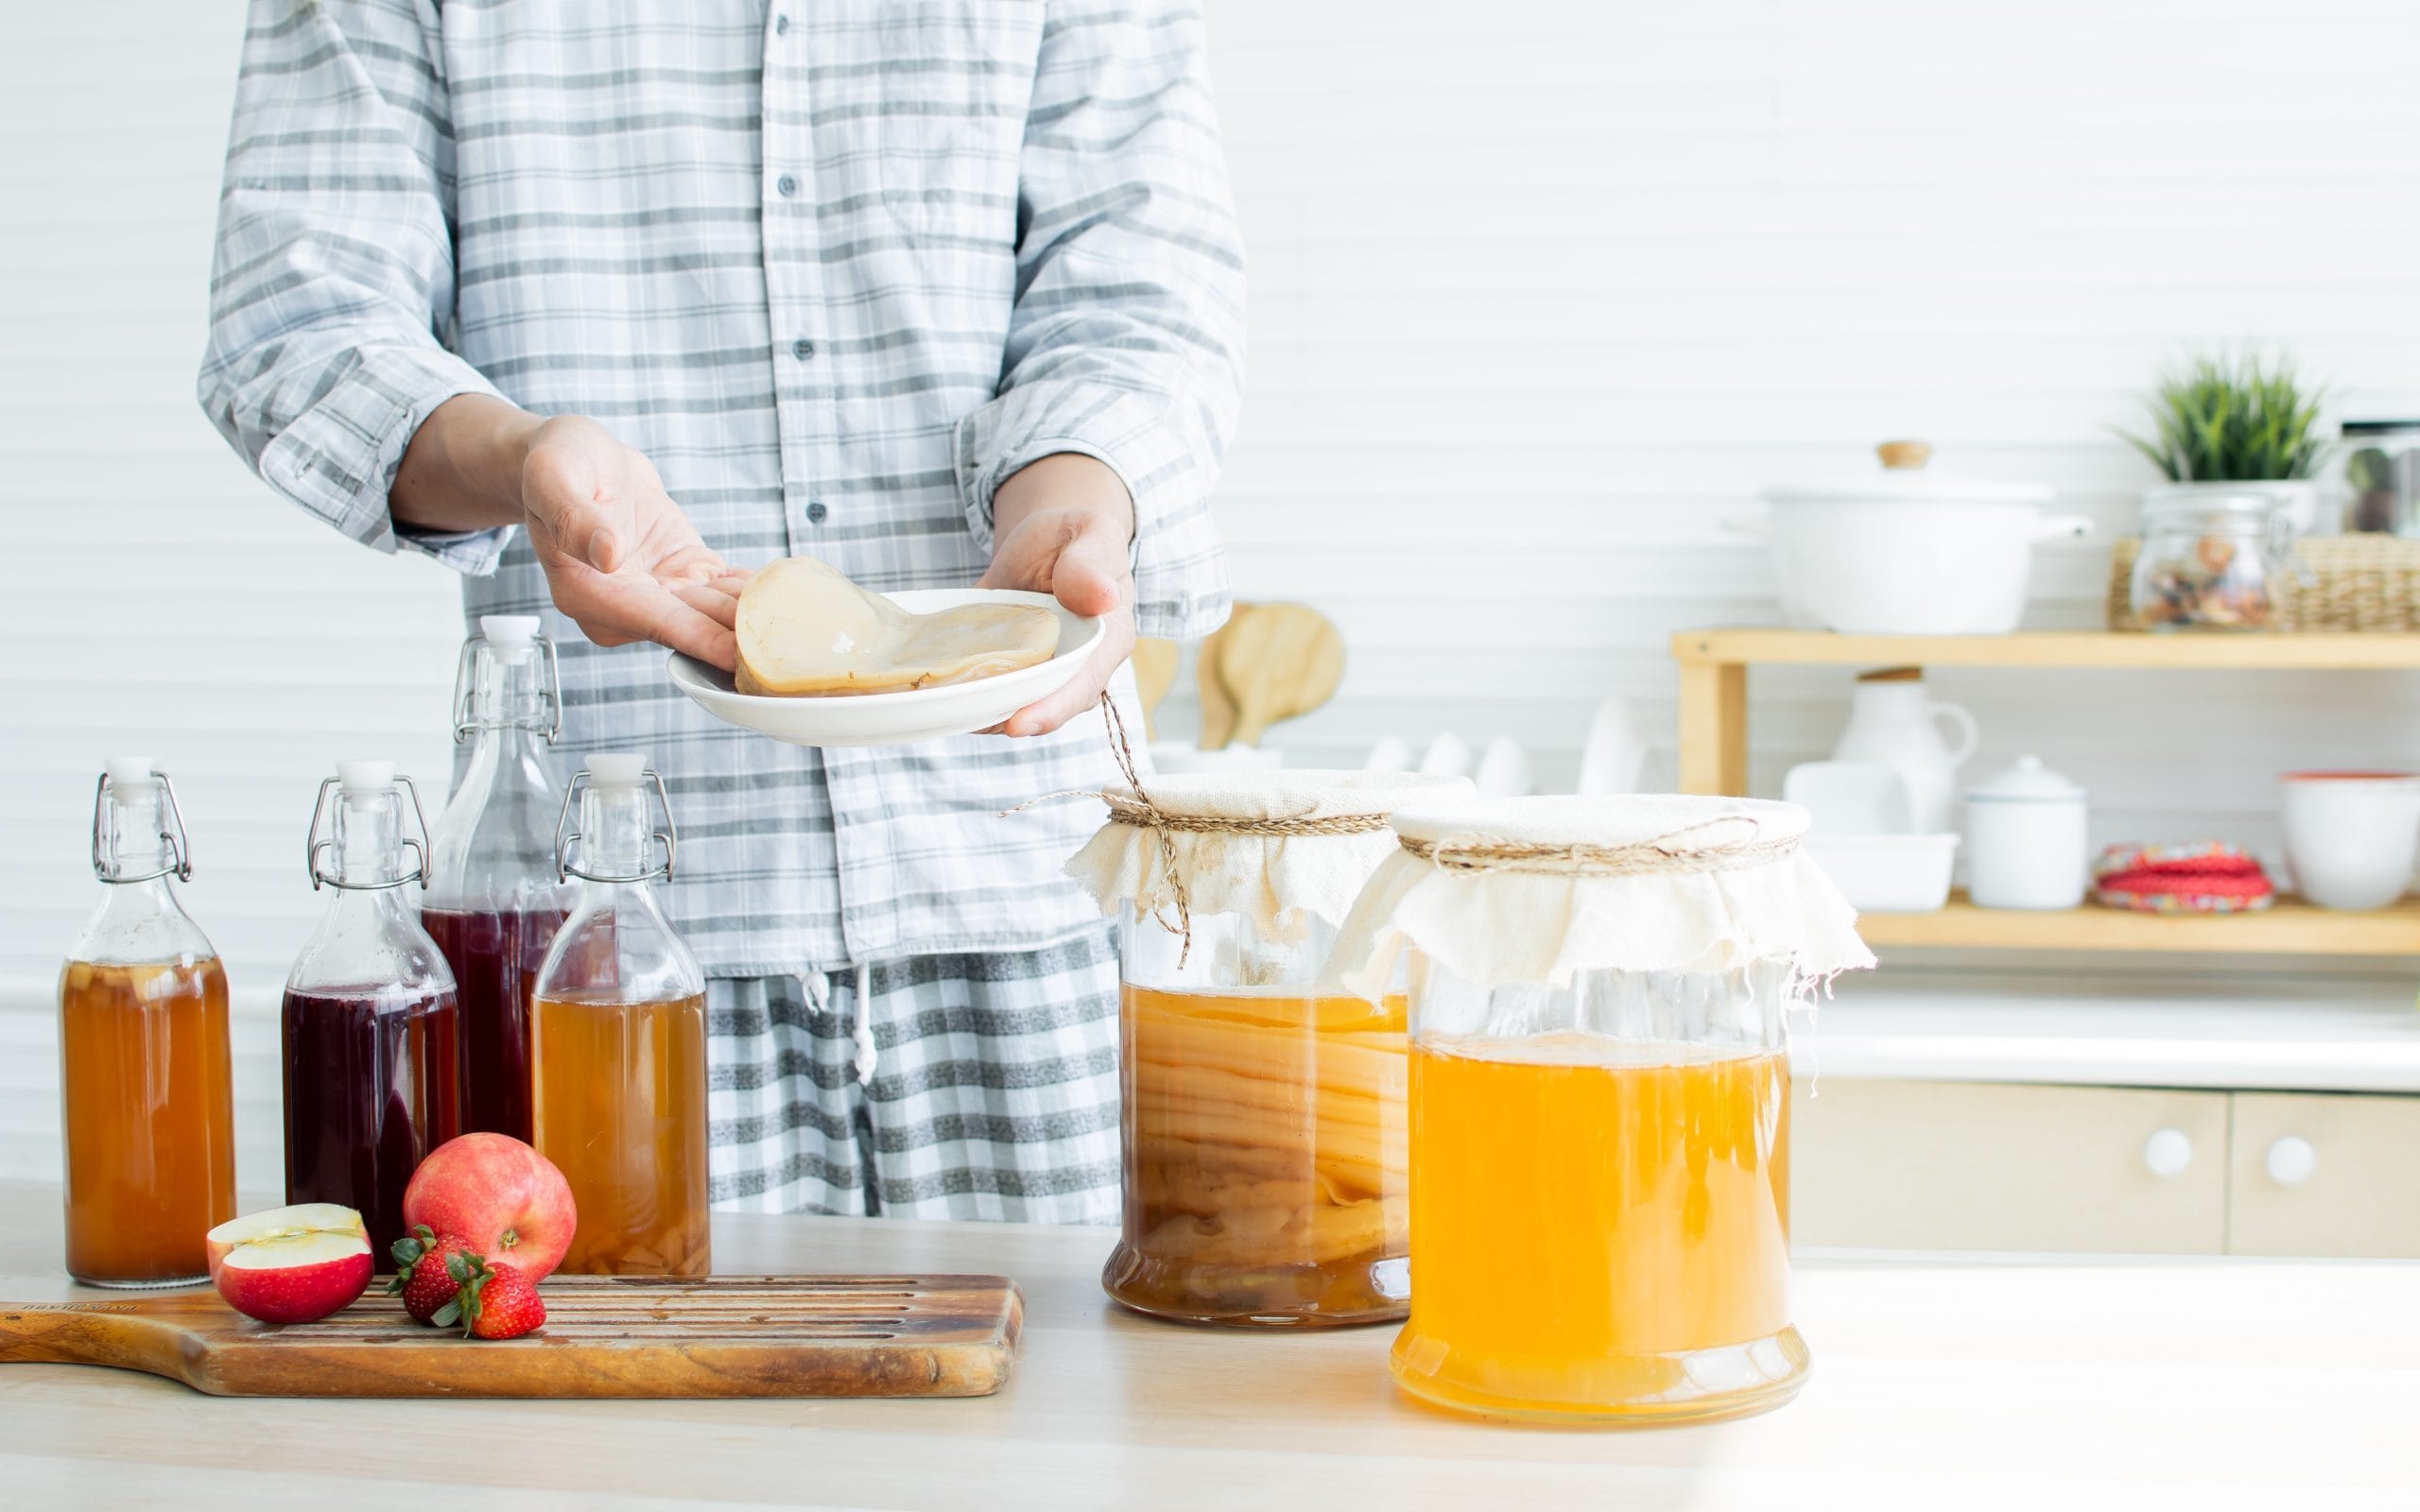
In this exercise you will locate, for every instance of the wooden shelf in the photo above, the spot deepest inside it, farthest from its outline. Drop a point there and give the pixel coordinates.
(2290, 927)
(2051, 648)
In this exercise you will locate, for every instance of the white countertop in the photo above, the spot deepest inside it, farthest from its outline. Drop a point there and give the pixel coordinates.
(2271, 1033)
(1974, 1382)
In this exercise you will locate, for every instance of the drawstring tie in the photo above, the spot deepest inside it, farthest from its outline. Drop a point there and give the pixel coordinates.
(819, 997)
(863, 1030)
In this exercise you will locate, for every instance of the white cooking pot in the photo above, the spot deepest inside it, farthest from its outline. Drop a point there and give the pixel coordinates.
(1907, 552)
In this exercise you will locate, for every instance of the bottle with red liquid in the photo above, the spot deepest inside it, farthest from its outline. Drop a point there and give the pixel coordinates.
(494, 898)
(146, 1101)
(369, 1020)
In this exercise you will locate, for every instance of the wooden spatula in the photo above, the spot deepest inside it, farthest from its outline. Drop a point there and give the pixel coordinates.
(1217, 706)
(1282, 662)
(1154, 669)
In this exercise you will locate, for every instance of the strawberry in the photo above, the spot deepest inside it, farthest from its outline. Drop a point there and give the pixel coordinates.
(496, 1301)
(419, 1271)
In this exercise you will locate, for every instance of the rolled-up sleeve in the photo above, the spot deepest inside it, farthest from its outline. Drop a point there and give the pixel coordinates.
(1127, 341)
(333, 281)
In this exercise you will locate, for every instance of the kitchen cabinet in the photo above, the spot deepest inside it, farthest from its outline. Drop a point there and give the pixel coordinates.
(1977, 1165)
(2316, 1174)
(2109, 1170)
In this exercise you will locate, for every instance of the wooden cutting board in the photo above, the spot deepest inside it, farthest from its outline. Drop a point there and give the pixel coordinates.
(604, 1337)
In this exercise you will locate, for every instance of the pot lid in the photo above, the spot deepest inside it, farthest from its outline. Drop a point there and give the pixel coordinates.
(2025, 781)
(1903, 478)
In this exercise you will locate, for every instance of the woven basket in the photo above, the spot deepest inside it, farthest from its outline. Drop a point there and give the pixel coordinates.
(2362, 582)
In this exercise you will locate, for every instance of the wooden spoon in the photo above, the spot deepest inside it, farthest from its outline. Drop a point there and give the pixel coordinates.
(1154, 669)
(1218, 707)
(1282, 662)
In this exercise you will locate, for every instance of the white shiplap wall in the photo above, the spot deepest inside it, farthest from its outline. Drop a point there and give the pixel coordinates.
(1540, 293)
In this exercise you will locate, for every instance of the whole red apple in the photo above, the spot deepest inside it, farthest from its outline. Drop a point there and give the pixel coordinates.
(507, 1199)
(290, 1265)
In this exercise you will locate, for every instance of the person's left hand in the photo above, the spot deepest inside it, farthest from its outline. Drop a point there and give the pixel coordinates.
(1063, 525)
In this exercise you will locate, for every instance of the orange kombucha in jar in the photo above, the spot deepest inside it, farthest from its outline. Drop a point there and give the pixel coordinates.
(146, 1101)
(618, 1043)
(1600, 1098)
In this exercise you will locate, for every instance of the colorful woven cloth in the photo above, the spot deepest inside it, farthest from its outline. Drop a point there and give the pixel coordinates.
(2211, 878)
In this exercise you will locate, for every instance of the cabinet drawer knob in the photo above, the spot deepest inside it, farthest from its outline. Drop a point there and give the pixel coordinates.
(2168, 1152)
(2291, 1160)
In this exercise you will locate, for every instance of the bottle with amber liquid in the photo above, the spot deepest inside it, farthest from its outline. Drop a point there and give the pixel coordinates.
(369, 1020)
(620, 1082)
(147, 1106)
(495, 899)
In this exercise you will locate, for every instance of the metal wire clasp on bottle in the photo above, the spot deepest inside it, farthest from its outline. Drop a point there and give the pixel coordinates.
(417, 844)
(564, 834)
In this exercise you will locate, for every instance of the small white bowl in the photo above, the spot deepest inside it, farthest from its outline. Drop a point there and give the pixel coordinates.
(914, 714)
(1887, 873)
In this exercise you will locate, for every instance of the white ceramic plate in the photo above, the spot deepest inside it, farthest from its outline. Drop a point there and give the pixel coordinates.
(916, 713)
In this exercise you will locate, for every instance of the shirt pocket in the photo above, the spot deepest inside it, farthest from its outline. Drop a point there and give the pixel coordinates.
(953, 80)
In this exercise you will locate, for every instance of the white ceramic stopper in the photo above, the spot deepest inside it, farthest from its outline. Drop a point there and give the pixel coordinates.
(129, 771)
(617, 769)
(365, 777)
(508, 632)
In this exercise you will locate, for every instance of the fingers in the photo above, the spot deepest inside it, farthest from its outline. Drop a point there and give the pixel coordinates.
(1043, 715)
(621, 609)
(712, 600)
(690, 630)
(1079, 556)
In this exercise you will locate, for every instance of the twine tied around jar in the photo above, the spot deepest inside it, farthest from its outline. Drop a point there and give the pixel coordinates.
(1135, 808)
(1672, 854)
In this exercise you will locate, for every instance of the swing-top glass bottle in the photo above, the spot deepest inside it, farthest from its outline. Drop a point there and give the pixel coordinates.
(370, 1015)
(494, 898)
(620, 1038)
(146, 1107)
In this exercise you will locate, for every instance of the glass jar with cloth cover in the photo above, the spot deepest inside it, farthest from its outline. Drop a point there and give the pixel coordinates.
(1263, 1118)
(1599, 1096)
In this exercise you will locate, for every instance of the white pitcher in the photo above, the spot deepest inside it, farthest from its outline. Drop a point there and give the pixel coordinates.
(1891, 721)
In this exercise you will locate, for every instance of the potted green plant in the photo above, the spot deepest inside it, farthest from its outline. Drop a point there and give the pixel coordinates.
(2224, 422)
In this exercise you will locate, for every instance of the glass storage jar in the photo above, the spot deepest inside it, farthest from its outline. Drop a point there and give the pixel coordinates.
(2213, 558)
(1262, 1115)
(1600, 1098)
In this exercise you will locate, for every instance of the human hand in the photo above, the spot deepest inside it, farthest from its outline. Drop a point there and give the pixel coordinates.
(620, 557)
(1065, 526)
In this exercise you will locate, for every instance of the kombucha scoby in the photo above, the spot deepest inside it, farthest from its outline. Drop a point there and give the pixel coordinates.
(1265, 1165)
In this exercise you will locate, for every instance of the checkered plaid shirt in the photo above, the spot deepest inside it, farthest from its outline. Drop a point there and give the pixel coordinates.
(838, 267)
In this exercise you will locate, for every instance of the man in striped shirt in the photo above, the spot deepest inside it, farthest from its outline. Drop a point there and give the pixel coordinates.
(605, 303)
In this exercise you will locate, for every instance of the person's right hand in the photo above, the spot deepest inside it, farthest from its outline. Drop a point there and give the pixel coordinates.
(620, 557)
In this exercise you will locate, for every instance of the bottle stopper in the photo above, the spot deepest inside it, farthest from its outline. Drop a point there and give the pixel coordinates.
(617, 769)
(507, 632)
(357, 778)
(129, 771)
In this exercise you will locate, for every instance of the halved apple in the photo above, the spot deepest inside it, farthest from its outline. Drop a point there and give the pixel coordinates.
(292, 1264)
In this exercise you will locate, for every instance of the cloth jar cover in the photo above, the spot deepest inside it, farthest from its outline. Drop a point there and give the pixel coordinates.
(1533, 890)
(1277, 881)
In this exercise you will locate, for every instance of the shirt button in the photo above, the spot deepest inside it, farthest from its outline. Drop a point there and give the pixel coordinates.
(786, 185)
(780, 25)
(816, 513)
(801, 348)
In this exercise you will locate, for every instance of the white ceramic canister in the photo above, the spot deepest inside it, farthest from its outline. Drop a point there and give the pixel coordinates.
(2025, 839)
